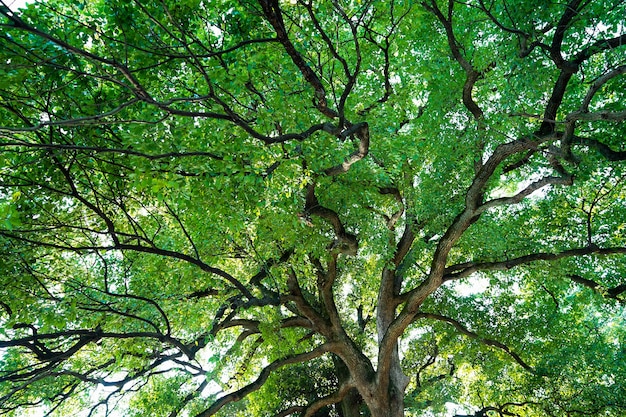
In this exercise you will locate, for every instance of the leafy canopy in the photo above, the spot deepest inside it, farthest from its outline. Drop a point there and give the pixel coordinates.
(316, 208)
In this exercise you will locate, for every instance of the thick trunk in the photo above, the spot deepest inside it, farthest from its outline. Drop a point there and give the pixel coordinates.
(388, 405)
(377, 393)
(388, 400)
(351, 404)
(372, 401)
(391, 382)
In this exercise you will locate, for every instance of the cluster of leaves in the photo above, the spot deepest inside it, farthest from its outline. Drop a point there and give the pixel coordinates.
(322, 208)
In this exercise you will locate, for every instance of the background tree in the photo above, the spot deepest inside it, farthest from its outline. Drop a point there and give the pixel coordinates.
(329, 208)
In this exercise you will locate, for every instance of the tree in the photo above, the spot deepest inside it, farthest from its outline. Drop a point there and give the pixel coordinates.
(329, 208)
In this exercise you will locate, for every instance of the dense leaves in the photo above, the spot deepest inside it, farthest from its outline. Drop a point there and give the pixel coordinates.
(315, 208)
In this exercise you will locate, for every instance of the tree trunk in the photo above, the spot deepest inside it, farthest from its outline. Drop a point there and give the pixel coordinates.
(388, 399)
(351, 405)
(388, 405)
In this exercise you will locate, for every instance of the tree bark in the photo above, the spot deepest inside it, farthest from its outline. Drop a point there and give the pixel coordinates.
(351, 404)
(389, 403)
(391, 382)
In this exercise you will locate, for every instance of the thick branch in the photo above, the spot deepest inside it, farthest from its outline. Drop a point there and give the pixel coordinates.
(598, 83)
(265, 373)
(613, 116)
(361, 130)
(603, 149)
(535, 186)
(570, 67)
(318, 322)
(571, 10)
(333, 398)
(613, 292)
(100, 149)
(471, 74)
(271, 10)
(464, 270)
(35, 342)
(470, 214)
(345, 242)
(393, 219)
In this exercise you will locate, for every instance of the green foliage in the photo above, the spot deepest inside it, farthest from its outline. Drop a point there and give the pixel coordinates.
(243, 208)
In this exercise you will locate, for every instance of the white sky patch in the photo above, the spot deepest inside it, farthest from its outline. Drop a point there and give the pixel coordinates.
(467, 287)
(455, 408)
(14, 5)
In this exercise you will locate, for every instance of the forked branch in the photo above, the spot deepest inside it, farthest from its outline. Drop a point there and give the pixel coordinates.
(489, 342)
(262, 378)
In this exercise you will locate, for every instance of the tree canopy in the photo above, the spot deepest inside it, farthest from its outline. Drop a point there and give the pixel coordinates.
(313, 208)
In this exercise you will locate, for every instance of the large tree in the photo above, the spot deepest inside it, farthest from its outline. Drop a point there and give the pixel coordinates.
(314, 208)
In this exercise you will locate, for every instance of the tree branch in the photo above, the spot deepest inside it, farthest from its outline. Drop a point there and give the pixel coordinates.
(271, 10)
(466, 269)
(535, 186)
(100, 149)
(471, 74)
(333, 398)
(361, 130)
(345, 242)
(613, 292)
(489, 342)
(265, 373)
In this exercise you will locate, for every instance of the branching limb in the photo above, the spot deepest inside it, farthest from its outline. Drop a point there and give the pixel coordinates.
(473, 200)
(465, 331)
(345, 242)
(189, 397)
(513, 29)
(464, 270)
(36, 342)
(169, 107)
(613, 116)
(318, 322)
(602, 148)
(325, 280)
(568, 68)
(333, 398)
(15, 143)
(613, 292)
(384, 47)
(429, 362)
(361, 131)
(265, 373)
(96, 119)
(141, 249)
(104, 305)
(392, 219)
(535, 186)
(273, 13)
(583, 113)
(570, 11)
(472, 75)
(252, 326)
(598, 83)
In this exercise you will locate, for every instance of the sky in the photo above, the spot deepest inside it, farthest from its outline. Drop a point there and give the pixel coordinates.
(15, 4)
